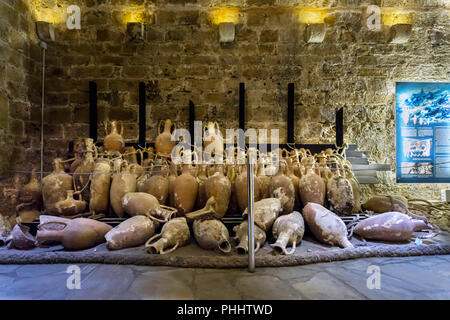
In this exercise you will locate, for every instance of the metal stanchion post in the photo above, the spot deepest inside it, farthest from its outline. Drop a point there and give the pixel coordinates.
(251, 215)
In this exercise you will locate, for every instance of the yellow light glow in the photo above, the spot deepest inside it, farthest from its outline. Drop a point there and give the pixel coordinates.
(228, 14)
(136, 15)
(390, 18)
(41, 11)
(311, 15)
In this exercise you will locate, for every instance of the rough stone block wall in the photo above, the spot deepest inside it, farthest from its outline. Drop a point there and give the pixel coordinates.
(181, 59)
(15, 78)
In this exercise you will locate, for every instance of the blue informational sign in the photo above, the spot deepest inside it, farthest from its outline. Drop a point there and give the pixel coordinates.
(423, 132)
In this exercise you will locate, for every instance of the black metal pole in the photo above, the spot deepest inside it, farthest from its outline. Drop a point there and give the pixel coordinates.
(142, 115)
(93, 110)
(340, 127)
(242, 106)
(291, 114)
(191, 121)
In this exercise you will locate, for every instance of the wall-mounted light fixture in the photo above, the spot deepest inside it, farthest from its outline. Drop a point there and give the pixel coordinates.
(399, 33)
(315, 33)
(314, 18)
(136, 31)
(45, 31)
(226, 18)
(227, 32)
(397, 25)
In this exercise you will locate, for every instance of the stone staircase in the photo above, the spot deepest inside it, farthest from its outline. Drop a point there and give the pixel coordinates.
(365, 172)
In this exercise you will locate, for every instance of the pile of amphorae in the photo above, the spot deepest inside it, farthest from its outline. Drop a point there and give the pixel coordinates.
(157, 191)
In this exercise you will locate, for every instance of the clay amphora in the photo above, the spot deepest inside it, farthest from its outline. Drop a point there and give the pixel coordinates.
(82, 175)
(141, 203)
(163, 142)
(122, 183)
(266, 212)
(55, 187)
(31, 192)
(233, 206)
(282, 187)
(100, 183)
(130, 233)
(311, 186)
(131, 157)
(213, 140)
(21, 238)
(242, 189)
(288, 230)
(241, 236)
(389, 226)
(70, 206)
(201, 179)
(157, 184)
(218, 192)
(340, 193)
(263, 181)
(114, 140)
(174, 234)
(76, 234)
(295, 181)
(185, 191)
(173, 174)
(326, 226)
(355, 187)
(211, 234)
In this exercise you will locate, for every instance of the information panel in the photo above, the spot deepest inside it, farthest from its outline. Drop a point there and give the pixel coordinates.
(423, 131)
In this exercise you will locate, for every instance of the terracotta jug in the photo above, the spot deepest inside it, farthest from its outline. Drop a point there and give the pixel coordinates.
(263, 181)
(70, 206)
(131, 157)
(218, 192)
(122, 183)
(211, 234)
(173, 174)
(76, 234)
(288, 230)
(390, 226)
(55, 187)
(233, 206)
(130, 233)
(114, 140)
(82, 175)
(185, 191)
(155, 182)
(282, 187)
(266, 212)
(101, 181)
(242, 189)
(201, 179)
(355, 186)
(163, 142)
(31, 192)
(295, 180)
(174, 234)
(311, 186)
(213, 140)
(340, 192)
(326, 226)
(144, 204)
(241, 236)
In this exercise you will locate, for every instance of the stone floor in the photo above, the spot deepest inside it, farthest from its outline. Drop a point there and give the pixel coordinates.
(425, 277)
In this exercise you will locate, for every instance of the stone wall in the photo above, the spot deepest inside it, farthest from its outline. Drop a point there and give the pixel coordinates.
(182, 59)
(16, 73)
